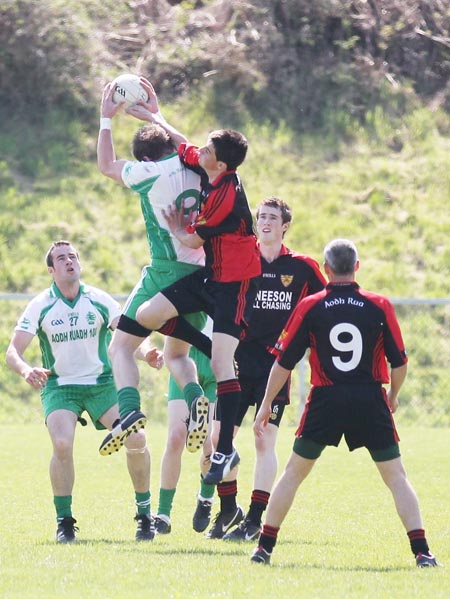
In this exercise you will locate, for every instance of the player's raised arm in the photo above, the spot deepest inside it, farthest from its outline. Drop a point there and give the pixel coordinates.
(149, 111)
(106, 155)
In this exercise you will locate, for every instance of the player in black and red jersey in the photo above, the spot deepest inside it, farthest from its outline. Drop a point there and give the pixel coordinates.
(286, 278)
(225, 288)
(351, 333)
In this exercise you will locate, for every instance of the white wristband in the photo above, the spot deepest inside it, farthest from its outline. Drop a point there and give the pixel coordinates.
(105, 123)
(160, 116)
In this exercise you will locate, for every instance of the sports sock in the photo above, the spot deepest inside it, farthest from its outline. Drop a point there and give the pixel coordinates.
(191, 391)
(227, 492)
(63, 506)
(165, 501)
(418, 541)
(258, 504)
(206, 491)
(129, 400)
(180, 328)
(268, 537)
(228, 397)
(142, 501)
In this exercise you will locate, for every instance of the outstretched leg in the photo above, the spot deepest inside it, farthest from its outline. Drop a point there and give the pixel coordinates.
(394, 475)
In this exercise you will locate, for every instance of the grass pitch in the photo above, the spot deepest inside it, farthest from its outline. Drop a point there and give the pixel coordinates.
(342, 538)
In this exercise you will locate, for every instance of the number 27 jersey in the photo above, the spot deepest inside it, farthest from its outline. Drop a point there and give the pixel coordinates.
(73, 335)
(351, 333)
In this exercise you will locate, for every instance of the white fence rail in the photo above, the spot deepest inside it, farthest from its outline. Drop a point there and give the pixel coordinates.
(425, 396)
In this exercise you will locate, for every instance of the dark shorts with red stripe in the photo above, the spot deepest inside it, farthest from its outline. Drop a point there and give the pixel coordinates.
(229, 304)
(360, 413)
(252, 393)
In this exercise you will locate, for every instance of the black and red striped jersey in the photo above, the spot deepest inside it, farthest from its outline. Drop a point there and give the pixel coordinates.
(351, 333)
(284, 281)
(225, 223)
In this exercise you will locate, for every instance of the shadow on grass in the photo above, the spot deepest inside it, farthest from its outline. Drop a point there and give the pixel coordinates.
(133, 546)
(215, 549)
(331, 568)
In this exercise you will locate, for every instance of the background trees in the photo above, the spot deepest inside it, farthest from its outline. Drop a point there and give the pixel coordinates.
(298, 60)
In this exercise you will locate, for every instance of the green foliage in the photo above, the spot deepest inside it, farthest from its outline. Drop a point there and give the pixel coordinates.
(40, 150)
(316, 64)
(45, 56)
(327, 63)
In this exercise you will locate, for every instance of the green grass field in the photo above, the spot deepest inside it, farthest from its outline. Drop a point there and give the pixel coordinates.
(341, 539)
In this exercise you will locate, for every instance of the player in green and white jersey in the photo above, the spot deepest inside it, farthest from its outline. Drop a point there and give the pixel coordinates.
(73, 324)
(160, 179)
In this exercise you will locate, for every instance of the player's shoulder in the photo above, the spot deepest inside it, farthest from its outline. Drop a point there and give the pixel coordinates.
(376, 298)
(298, 257)
(312, 300)
(40, 304)
(43, 298)
(141, 169)
(96, 294)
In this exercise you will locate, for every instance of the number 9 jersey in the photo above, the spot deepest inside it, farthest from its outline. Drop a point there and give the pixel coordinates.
(351, 333)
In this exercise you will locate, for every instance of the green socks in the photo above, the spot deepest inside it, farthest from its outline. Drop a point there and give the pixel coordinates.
(165, 501)
(191, 391)
(63, 506)
(129, 400)
(143, 502)
(206, 491)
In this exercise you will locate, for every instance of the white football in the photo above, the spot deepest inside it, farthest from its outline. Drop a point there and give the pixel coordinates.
(127, 89)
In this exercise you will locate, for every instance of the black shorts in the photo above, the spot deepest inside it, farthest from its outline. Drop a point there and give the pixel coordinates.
(252, 393)
(360, 413)
(228, 304)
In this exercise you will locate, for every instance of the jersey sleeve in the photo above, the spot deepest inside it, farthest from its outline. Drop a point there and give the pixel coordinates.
(188, 155)
(114, 310)
(134, 172)
(218, 215)
(393, 341)
(105, 303)
(29, 320)
(317, 281)
(294, 338)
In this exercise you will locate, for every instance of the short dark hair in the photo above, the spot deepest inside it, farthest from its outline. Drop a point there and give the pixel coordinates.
(55, 244)
(341, 256)
(273, 202)
(152, 142)
(230, 147)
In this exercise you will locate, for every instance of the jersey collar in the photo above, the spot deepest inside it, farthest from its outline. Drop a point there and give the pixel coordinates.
(283, 251)
(55, 292)
(219, 178)
(349, 285)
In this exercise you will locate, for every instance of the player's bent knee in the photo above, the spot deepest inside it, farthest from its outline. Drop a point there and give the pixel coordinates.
(136, 450)
(176, 441)
(136, 442)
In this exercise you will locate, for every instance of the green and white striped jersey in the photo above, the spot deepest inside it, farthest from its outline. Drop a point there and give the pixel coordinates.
(73, 335)
(161, 184)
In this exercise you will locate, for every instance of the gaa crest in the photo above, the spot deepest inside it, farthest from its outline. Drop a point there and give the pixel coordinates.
(286, 279)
